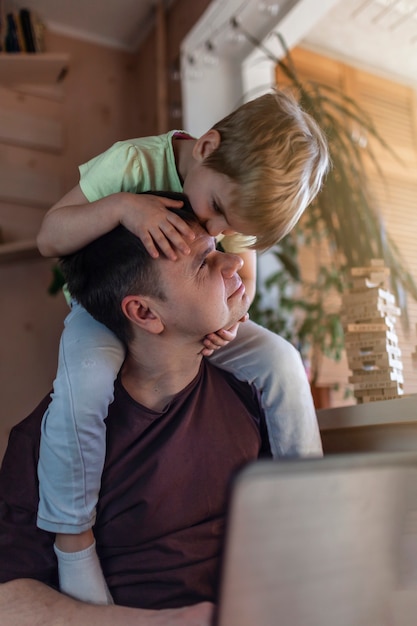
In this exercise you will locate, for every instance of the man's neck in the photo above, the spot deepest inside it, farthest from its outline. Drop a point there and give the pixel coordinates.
(154, 381)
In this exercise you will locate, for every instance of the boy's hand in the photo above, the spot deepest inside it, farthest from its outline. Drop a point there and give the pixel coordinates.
(160, 230)
(214, 341)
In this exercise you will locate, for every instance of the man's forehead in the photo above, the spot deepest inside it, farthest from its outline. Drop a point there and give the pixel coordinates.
(202, 245)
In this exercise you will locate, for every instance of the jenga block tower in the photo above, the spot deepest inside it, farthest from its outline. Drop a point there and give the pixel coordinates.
(369, 314)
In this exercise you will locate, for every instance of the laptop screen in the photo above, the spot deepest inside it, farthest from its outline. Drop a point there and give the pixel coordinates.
(315, 542)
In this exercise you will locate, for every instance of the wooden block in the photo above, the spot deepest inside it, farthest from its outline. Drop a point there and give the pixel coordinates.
(370, 327)
(379, 277)
(367, 312)
(378, 398)
(377, 263)
(387, 335)
(370, 387)
(368, 270)
(393, 351)
(383, 359)
(351, 308)
(372, 294)
(361, 284)
(369, 346)
(381, 375)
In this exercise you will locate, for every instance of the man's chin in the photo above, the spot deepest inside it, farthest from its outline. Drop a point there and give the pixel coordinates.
(241, 316)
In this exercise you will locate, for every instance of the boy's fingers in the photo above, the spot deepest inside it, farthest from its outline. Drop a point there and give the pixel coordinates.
(216, 343)
(170, 202)
(180, 226)
(165, 246)
(206, 352)
(150, 246)
(175, 239)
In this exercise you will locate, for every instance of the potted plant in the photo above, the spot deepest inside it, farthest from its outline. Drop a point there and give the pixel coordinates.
(297, 308)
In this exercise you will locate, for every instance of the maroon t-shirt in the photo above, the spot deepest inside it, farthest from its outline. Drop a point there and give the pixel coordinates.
(161, 512)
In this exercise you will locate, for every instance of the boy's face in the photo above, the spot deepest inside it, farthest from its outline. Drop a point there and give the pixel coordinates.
(214, 198)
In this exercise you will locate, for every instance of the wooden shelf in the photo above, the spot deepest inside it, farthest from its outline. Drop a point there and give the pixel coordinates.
(42, 69)
(37, 68)
(18, 250)
(396, 411)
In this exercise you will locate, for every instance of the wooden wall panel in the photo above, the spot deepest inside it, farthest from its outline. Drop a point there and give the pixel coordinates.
(93, 107)
(106, 96)
(30, 121)
(391, 108)
(19, 221)
(28, 177)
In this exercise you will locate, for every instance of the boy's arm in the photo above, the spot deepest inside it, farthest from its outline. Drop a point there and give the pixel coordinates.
(26, 602)
(73, 222)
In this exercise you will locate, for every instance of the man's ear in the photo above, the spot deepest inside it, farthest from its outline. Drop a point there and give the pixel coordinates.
(206, 144)
(139, 311)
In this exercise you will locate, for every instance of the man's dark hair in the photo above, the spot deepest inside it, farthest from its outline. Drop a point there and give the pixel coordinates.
(113, 266)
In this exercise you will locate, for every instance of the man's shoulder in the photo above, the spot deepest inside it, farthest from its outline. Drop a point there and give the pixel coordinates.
(18, 468)
(224, 380)
(29, 427)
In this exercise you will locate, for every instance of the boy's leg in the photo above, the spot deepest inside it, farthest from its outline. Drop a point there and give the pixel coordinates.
(275, 367)
(73, 436)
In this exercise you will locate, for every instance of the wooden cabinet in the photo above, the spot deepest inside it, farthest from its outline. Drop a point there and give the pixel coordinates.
(385, 426)
(31, 144)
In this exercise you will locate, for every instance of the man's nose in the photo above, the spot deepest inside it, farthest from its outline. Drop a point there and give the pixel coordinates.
(231, 263)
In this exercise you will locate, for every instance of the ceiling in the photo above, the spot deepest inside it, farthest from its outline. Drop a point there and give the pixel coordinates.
(116, 23)
(382, 34)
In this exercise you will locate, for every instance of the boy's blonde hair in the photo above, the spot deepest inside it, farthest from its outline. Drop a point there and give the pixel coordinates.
(278, 155)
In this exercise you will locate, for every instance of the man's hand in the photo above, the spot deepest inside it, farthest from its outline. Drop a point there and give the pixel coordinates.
(214, 341)
(159, 229)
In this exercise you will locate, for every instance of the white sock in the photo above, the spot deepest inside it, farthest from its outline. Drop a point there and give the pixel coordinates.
(81, 577)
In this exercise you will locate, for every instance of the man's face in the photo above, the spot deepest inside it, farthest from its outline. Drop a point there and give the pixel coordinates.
(203, 290)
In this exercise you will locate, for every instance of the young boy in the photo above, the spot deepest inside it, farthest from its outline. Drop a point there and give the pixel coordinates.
(249, 179)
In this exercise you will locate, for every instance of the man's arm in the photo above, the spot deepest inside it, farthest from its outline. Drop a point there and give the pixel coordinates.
(26, 602)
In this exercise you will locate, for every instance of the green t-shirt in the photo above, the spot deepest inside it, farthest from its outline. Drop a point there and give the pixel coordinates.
(138, 165)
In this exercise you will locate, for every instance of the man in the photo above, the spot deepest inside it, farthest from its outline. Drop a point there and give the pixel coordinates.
(177, 431)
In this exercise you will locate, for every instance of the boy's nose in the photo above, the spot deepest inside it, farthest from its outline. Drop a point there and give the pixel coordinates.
(213, 227)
